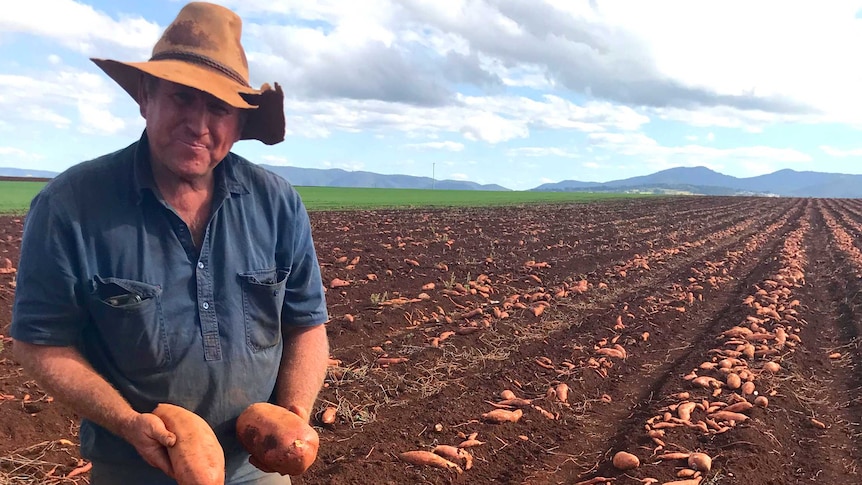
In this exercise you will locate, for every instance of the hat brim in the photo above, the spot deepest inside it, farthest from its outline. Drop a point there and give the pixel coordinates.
(265, 106)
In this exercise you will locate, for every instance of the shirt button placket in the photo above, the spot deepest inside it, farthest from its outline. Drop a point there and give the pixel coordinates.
(209, 319)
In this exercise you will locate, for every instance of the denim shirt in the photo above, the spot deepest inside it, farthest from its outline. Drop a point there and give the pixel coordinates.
(108, 267)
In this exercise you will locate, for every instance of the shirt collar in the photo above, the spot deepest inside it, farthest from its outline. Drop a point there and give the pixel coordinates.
(227, 179)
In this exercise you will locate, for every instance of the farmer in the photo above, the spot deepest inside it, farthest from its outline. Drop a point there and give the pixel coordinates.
(174, 270)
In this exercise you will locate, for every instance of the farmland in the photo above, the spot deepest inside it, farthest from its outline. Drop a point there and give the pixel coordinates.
(652, 326)
(15, 196)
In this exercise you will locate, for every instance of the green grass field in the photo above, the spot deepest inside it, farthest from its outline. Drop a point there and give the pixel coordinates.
(15, 197)
(329, 198)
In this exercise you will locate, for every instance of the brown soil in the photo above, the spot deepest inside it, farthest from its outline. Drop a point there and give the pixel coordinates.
(7, 178)
(680, 269)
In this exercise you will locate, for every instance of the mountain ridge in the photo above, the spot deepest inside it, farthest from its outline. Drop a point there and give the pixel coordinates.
(698, 180)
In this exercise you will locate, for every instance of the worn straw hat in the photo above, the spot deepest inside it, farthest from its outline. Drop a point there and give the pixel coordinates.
(201, 49)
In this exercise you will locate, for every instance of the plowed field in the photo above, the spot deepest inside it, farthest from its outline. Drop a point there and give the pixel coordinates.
(724, 326)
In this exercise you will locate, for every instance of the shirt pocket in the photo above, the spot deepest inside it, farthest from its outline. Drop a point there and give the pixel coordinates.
(128, 315)
(262, 301)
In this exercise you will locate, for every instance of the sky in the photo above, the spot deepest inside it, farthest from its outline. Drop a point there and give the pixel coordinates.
(510, 92)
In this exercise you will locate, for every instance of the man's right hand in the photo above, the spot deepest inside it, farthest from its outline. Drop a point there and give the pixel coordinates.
(148, 434)
(67, 376)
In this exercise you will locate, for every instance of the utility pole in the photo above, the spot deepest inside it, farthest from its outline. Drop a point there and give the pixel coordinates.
(433, 176)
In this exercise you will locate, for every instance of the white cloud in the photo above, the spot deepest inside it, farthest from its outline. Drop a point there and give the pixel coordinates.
(658, 157)
(543, 74)
(459, 176)
(80, 27)
(12, 151)
(451, 146)
(276, 160)
(766, 55)
(752, 121)
(18, 158)
(838, 152)
(490, 119)
(542, 152)
(40, 114)
(98, 120)
(64, 99)
(492, 128)
(523, 76)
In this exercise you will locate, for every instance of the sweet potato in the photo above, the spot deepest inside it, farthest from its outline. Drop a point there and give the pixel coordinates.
(455, 454)
(700, 462)
(562, 391)
(328, 415)
(674, 455)
(625, 461)
(498, 416)
(516, 402)
(685, 473)
(596, 480)
(197, 456)
(684, 410)
(427, 458)
(728, 416)
(706, 381)
(610, 352)
(469, 443)
(277, 439)
(689, 481)
(739, 407)
(733, 381)
(80, 470)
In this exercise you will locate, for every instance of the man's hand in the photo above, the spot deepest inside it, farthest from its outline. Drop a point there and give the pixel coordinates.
(65, 374)
(148, 434)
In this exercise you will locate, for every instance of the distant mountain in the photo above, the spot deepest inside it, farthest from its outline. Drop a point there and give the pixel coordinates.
(680, 180)
(565, 185)
(20, 172)
(335, 177)
(703, 181)
(692, 176)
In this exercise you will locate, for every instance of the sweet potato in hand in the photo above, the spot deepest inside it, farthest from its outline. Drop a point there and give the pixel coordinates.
(277, 439)
(197, 456)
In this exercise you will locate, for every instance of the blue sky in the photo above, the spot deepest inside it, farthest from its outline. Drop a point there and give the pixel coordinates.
(510, 92)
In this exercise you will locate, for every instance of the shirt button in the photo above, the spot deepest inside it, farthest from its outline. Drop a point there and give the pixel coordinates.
(206, 306)
(200, 265)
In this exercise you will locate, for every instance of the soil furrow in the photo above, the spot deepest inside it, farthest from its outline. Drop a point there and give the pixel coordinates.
(672, 361)
(508, 359)
(540, 296)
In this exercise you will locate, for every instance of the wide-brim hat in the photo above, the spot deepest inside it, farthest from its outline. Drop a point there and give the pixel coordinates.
(201, 49)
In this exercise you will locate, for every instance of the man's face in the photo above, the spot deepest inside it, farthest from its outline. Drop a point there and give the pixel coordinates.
(190, 131)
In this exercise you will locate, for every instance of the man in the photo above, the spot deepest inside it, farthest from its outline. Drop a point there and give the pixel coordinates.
(174, 270)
